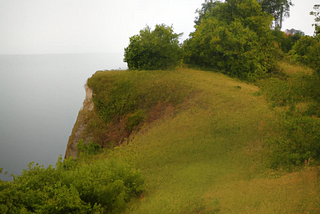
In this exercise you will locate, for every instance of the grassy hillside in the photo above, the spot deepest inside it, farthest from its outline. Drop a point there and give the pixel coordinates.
(200, 140)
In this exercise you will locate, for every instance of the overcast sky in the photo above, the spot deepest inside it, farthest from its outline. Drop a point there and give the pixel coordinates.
(89, 26)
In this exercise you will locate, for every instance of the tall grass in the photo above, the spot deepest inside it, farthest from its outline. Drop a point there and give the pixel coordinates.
(208, 153)
(296, 98)
(125, 100)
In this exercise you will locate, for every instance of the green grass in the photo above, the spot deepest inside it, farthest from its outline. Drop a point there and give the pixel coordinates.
(295, 98)
(207, 151)
(125, 100)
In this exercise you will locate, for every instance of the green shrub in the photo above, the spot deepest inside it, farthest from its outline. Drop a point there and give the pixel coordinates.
(313, 57)
(153, 50)
(90, 149)
(135, 119)
(300, 144)
(234, 38)
(300, 140)
(285, 41)
(102, 187)
(301, 49)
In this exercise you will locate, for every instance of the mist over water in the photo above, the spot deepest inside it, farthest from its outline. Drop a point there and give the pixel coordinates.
(40, 96)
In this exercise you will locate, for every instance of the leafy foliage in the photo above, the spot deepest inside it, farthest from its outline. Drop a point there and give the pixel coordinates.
(314, 57)
(135, 119)
(301, 143)
(234, 37)
(125, 100)
(316, 15)
(101, 187)
(279, 9)
(206, 8)
(286, 41)
(301, 49)
(307, 52)
(90, 149)
(153, 50)
(298, 95)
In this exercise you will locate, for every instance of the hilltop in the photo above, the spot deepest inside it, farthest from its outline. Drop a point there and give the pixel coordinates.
(201, 141)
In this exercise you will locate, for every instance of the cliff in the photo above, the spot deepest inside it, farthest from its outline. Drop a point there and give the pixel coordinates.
(202, 141)
(78, 131)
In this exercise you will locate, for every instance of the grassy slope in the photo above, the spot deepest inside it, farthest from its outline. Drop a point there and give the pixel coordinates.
(210, 155)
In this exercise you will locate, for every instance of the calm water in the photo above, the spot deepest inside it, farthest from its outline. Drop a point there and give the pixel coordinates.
(40, 96)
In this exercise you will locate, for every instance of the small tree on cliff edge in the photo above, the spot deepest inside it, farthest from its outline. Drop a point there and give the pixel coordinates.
(153, 50)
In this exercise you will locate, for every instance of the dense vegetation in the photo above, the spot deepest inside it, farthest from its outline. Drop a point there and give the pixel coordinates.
(307, 51)
(234, 38)
(192, 132)
(125, 101)
(295, 96)
(152, 50)
(212, 151)
(74, 186)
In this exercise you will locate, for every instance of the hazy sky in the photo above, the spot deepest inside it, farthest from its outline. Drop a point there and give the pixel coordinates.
(87, 26)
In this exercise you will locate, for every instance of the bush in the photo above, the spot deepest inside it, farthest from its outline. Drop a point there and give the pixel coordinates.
(90, 149)
(234, 38)
(313, 57)
(301, 49)
(296, 98)
(135, 119)
(285, 41)
(307, 52)
(153, 50)
(301, 143)
(102, 187)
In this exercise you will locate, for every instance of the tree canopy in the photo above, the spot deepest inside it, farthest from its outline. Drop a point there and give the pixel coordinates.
(316, 15)
(279, 9)
(233, 37)
(152, 50)
(207, 6)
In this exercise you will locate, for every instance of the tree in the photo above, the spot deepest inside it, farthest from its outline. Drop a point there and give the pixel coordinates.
(314, 57)
(280, 9)
(234, 38)
(307, 51)
(152, 50)
(287, 39)
(316, 15)
(206, 8)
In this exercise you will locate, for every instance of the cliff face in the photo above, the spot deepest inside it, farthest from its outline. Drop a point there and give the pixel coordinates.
(80, 126)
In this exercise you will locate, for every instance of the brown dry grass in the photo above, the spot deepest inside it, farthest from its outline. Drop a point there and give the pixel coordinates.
(294, 68)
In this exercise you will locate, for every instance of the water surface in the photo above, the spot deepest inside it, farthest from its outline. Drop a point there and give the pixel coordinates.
(40, 96)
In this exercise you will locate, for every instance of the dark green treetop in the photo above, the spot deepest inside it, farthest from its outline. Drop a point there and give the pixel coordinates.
(153, 50)
(235, 38)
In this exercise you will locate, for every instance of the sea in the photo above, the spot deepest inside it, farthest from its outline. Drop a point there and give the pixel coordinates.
(40, 97)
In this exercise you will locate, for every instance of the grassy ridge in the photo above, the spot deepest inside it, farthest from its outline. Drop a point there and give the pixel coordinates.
(209, 154)
(202, 143)
(126, 100)
(197, 148)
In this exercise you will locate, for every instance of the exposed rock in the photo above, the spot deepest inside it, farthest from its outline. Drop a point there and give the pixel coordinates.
(78, 131)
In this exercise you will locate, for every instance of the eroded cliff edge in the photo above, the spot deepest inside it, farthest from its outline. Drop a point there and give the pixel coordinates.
(78, 131)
